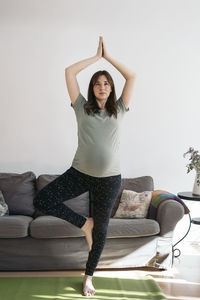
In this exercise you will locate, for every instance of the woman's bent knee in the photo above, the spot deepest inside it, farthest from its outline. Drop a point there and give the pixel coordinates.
(38, 202)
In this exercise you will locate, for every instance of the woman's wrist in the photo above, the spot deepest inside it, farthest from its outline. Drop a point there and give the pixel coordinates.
(98, 56)
(107, 57)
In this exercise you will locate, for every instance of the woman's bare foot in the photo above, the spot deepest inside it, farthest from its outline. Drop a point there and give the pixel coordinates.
(88, 288)
(87, 229)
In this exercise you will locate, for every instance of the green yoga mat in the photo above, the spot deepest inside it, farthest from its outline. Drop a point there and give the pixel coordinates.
(65, 288)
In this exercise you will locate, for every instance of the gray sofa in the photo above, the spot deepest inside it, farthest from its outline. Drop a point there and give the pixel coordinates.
(32, 241)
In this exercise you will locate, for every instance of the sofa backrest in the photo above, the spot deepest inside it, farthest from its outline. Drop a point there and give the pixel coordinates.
(20, 189)
(79, 204)
(138, 184)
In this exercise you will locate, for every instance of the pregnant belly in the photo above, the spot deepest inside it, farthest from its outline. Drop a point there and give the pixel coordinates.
(99, 159)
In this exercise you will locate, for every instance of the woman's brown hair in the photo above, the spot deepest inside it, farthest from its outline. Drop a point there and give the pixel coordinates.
(91, 107)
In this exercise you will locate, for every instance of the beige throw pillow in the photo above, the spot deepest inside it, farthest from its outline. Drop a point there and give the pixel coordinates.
(3, 206)
(133, 204)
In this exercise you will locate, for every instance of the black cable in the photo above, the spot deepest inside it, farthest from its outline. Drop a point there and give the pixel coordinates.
(179, 251)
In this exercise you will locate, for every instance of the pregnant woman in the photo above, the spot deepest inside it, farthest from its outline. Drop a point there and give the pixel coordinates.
(96, 164)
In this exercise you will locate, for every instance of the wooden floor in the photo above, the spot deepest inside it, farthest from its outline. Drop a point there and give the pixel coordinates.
(182, 282)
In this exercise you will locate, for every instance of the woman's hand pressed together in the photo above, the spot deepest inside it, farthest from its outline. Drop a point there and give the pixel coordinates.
(100, 48)
(101, 51)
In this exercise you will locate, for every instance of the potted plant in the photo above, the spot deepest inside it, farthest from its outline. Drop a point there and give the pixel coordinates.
(194, 164)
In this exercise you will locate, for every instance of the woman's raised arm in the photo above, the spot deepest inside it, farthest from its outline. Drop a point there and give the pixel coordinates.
(128, 74)
(73, 70)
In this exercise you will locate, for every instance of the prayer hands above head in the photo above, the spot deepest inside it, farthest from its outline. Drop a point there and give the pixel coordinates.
(101, 51)
(104, 52)
(100, 47)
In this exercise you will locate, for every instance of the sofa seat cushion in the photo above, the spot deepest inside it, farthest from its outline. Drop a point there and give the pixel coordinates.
(53, 227)
(14, 226)
(132, 228)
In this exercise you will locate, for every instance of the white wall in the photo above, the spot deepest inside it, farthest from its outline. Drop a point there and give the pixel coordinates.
(159, 40)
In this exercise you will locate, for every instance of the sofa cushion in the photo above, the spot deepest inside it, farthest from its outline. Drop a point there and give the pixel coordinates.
(53, 227)
(138, 184)
(133, 204)
(79, 204)
(14, 226)
(3, 206)
(44, 179)
(18, 191)
(132, 228)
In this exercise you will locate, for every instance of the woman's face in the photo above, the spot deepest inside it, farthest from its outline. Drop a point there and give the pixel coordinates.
(102, 88)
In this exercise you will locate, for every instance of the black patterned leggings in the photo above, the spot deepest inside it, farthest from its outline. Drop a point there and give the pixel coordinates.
(71, 184)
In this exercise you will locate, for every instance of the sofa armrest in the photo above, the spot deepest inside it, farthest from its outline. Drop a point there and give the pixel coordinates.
(168, 215)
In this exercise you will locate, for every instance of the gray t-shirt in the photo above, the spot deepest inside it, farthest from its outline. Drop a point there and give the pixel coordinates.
(98, 152)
